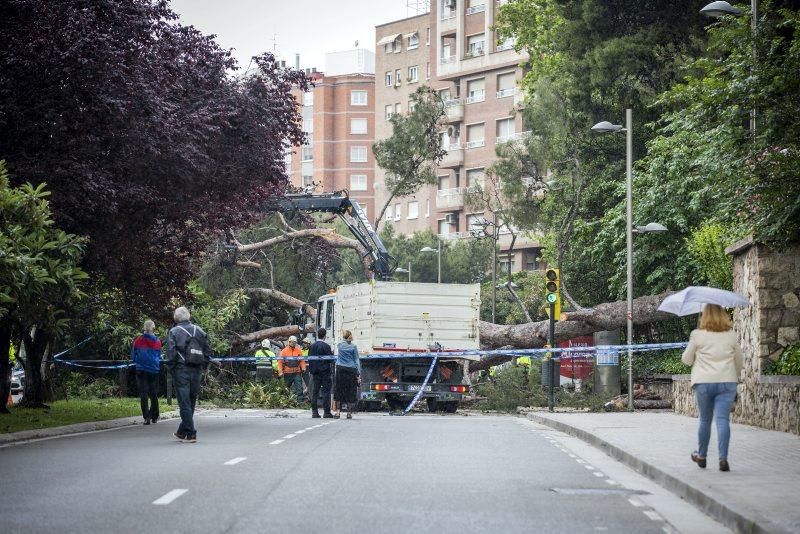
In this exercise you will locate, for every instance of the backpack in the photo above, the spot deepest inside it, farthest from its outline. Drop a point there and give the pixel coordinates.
(193, 351)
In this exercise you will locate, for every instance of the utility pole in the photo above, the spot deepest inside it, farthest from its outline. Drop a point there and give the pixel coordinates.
(552, 361)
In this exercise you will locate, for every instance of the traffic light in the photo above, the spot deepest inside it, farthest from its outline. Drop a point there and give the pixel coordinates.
(552, 286)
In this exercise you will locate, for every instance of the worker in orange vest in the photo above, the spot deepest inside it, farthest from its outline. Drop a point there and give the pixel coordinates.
(292, 370)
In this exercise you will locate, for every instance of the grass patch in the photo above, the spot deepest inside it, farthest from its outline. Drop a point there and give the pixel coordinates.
(67, 412)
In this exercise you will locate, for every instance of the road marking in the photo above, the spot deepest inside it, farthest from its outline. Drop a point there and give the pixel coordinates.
(299, 432)
(652, 514)
(289, 436)
(572, 456)
(579, 461)
(236, 460)
(636, 502)
(589, 467)
(310, 428)
(169, 497)
(276, 442)
(612, 482)
(598, 474)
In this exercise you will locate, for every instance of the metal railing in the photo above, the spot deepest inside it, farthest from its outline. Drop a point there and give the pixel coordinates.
(502, 93)
(476, 96)
(476, 9)
(476, 144)
(448, 59)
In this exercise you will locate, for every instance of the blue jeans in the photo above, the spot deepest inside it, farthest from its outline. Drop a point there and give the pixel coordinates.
(187, 380)
(714, 400)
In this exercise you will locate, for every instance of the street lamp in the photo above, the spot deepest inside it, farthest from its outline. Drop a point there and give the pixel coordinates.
(607, 127)
(400, 270)
(720, 9)
(438, 252)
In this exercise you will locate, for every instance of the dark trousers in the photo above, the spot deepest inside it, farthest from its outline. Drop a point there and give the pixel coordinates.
(186, 381)
(147, 384)
(294, 382)
(321, 385)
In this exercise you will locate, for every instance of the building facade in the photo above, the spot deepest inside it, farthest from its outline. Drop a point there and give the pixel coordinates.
(476, 74)
(339, 119)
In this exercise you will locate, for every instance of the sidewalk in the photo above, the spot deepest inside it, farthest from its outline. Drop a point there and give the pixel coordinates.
(761, 493)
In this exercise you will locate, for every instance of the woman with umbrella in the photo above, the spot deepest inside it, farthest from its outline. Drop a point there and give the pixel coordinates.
(716, 360)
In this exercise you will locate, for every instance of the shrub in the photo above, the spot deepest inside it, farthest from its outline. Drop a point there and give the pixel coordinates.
(80, 386)
(788, 363)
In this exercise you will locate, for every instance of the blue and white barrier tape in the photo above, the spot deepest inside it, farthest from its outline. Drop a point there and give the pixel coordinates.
(534, 353)
(422, 387)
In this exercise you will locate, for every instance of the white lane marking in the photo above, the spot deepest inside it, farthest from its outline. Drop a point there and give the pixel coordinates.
(572, 456)
(299, 432)
(236, 460)
(276, 442)
(589, 467)
(653, 515)
(636, 502)
(612, 482)
(579, 461)
(310, 428)
(598, 474)
(169, 497)
(289, 436)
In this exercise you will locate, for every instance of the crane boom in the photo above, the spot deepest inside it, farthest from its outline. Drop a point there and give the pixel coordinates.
(353, 217)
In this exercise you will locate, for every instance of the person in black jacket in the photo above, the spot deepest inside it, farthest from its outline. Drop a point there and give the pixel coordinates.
(188, 354)
(321, 374)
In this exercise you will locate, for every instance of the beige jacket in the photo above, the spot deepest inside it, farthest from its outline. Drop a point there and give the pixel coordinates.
(714, 357)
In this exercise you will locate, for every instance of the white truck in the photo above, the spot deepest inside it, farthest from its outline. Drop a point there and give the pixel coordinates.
(392, 317)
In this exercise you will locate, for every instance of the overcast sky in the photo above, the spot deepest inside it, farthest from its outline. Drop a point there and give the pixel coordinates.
(307, 27)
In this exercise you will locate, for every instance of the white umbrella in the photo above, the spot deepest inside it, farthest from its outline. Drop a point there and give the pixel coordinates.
(691, 300)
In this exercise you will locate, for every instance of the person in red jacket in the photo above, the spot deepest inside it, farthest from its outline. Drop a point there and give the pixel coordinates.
(146, 354)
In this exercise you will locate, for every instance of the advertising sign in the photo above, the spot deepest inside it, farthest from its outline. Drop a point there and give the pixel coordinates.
(577, 365)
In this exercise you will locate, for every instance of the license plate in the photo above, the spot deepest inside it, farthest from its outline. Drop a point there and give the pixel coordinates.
(417, 388)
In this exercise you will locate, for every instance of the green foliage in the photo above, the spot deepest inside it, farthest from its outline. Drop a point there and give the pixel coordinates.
(249, 394)
(530, 288)
(646, 364)
(215, 315)
(410, 155)
(788, 363)
(706, 246)
(82, 386)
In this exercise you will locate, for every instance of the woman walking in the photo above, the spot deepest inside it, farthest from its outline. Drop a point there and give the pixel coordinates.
(716, 360)
(348, 374)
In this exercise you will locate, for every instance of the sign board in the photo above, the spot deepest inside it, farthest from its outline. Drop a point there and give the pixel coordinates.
(577, 365)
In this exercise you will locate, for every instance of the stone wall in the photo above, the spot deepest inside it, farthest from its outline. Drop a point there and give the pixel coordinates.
(771, 282)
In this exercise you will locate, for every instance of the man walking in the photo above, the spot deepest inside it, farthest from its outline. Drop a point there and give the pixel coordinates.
(146, 354)
(188, 353)
(291, 370)
(321, 375)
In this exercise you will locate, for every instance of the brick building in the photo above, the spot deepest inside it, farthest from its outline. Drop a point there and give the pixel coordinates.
(453, 49)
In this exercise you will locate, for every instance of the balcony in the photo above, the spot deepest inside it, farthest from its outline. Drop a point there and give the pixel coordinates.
(478, 143)
(476, 9)
(510, 138)
(476, 96)
(454, 156)
(447, 59)
(475, 50)
(450, 199)
(502, 93)
(455, 110)
(448, 21)
(507, 45)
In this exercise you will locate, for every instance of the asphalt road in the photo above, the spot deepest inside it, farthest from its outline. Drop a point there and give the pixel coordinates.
(254, 473)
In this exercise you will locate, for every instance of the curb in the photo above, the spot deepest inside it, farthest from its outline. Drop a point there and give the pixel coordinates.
(24, 436)
(691, 494)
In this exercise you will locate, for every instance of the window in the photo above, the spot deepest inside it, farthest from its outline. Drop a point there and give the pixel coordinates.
(398, 108)
(428, 37)
(475, 178)
(308, 99)
(388, 111)
(358, 182)
(476, 6)
(358, 126)
(413, 74)
(428, 70)
(444, 182)
(475, 136)
(388, 48)
(505, 130)
(413, 209)
(476, 91)
(308, 181)
(307, 153)
(397, 76)
(388, 78)
(308, 124)
(411, 106)
(398, 44)
(506, 85)
(475, 45)
(504, 261)
(507, 44)
(448, 9)
(444, 94)
(389, 213)
(531, 261)
(427, 207)
(358, 154)
(358, 98)
(413, 40)
(287, 161)
(475, 224)
(444, 227)
(397, 212)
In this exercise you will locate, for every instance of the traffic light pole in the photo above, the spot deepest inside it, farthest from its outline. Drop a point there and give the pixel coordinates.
(552, 361)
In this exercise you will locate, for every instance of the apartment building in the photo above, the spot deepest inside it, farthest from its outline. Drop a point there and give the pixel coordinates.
(476, 74)
(339, 118)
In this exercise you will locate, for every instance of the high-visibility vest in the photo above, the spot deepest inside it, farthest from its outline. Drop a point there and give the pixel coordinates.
(524, 360)
(261, 357)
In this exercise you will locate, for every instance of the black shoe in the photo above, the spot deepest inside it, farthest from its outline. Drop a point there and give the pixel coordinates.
(153, 420)
(315, 415)
(180, 436)
(146, 421)
(349, 415)
(723, 465)
(699, 460)
(190, 438)
(328, 416)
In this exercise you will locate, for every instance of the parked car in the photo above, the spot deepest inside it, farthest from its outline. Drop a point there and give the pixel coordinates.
(17, 380)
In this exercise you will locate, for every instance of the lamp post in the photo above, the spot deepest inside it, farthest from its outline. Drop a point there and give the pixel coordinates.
(438, 251)
(607, 127)
(401, 270)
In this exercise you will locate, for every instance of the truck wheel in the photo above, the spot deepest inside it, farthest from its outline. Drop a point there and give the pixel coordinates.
(433, 405)
(449, 406)
(369, 406)
(395, 403)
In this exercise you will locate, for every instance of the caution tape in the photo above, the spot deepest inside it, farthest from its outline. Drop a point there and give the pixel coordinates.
(422, 387)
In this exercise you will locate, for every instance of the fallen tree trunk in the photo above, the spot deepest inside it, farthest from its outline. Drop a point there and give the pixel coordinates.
(283, 297)
(276, 332)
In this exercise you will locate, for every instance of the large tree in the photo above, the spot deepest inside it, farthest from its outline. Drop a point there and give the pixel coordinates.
(147, 142)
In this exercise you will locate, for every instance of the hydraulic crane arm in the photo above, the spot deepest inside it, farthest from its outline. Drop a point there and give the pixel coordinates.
(352, 215)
